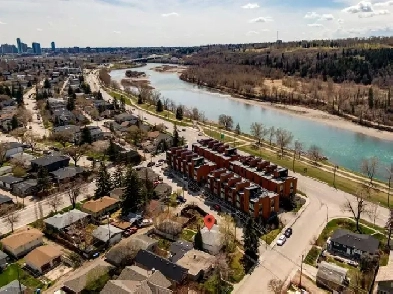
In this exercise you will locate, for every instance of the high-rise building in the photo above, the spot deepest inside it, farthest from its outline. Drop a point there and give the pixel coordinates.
(5, 48)
(24, 47)
(53, 46)
(36, 48)
(19, 45)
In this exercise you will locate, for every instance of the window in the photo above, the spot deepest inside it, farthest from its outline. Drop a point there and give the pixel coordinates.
(272, 201)
(281, 188)
(291, 185)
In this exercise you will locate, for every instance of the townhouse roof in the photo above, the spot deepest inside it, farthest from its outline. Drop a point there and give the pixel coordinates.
(179, 248)
(12, 288)
(331, 272)
(196, 261)
(99, 204)
(47, 160)
(23, 186)
(43, 255)
(16, 240)
(5, 199)
(10, 180)
(169, 269)
(61, 221)
(67, 172)
(363, 242)
(105, 232)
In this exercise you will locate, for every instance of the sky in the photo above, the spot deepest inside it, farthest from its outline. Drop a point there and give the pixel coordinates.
(131, 23)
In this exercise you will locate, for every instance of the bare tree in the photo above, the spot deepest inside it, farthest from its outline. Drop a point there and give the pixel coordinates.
(24, 115)
(55, 201)
(359, 206)
(3, 153)
(296, 152)
(18, 134)
(228, 229)
(314, 152)
(11, 217)
(222, 265)
(257, 130)
(225, 121)
(370, 166)
(76, 152)
(73, 195)
(31, 139)
(276, 286)
(63, 138)
(271, 133)
(284, 138)
(168, 226)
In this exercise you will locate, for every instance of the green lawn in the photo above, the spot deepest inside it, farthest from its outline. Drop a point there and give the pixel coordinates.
(11, 274)
(188, 235)
(312, 255)
(269, 237)
(236, 267)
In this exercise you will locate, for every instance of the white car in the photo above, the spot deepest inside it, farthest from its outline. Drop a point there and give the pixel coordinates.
(159, 163)
(281, 240)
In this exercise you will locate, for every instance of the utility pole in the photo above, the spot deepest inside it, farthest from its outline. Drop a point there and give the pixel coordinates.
(301, 273)
(334, 175)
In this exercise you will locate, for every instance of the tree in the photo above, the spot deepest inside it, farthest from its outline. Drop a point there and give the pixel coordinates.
(370, 98)
(179, 113)
(272, 132)
(19, 95)
(276, 286)
(73, 195)
(103, 182)
(63, 137)
(76, 152)
(70, 91)
(55, 201)
(132, 196)
(11, 217)
(31, 139)
(122, 103)
(118, 177)
(368, 263)
(257, 131)
(283, 138)
(198, 242)
(86, 137)
(18, 133)
(314, 152)
(237, 129)
(160, 107)
(3, 153)
(46, 84)
(176, 139)
(14, 122)
(358, 207)
(71, 103)
(112, 151)
(136, 134)
(225, 121)
(43, 180)
(369, 166)
(251, 240)
(297, 151)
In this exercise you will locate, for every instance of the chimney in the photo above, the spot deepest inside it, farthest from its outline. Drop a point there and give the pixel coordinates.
(194, 256)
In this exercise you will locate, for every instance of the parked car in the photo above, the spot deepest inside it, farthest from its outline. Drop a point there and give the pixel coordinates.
(161, 160)
(181, 199)
(183, 130)
(146, 223)
(159, 163)
(288, 232)
(200, 134)
(150, 164)
(217, 207)
(281, 240)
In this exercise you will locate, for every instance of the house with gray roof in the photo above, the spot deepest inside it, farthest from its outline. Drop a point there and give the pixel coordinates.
(7, 182)
(66, 173)
(13, 288)
(4, 199)
(178, 249)
(332, 277)
(107, 234)
(50, 162)
(123, 117)
(60, 222)
(25, 188)
(3, 260)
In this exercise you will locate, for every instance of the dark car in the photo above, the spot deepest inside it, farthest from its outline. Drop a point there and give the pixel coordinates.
(150, 164)
(181, 199)
(288, 232)
(217, 207)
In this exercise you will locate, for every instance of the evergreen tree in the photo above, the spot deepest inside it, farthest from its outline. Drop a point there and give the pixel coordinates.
(70, 91)
(115, 104)
(237, 129)
(29, 84)
(43, 180)
(132, 196)
(7, 91)
(118, 177)
(19, 95)
(198, 242)
(112, 151)
(251, 240)
(45, 95)
(99, 96)
(179, 113)
(86, 137)
(103, 182)
(14, 122)
(176, 139)
(122, 103)
(12, 91)
(370, 98)
(46, 84)
(70, 103)
(160, 107)
(140, 100)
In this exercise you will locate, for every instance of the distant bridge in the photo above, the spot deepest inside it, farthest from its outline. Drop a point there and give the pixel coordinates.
(152, 57)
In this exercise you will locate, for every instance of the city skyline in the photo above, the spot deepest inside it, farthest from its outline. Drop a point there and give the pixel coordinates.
(129, 23)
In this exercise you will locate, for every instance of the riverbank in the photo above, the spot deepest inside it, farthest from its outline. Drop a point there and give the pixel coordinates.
(165, 68)
(310, 114)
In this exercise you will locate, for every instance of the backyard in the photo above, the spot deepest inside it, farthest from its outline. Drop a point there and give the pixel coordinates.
(12, 272)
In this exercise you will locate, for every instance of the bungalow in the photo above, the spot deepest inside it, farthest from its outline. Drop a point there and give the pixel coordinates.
(3, 260)
(332, 277)
(51, 163)
(23, 158)
(21, 243)
(23, 189)
(351, 245)
(198, 263)
(178, 249)
(102, 206)
(66, 174)
(43, 258)
(13, 148)
(4, 200)
(62, 117)
(8, 182)
(60, 222)
(107, 234)
(212, 239)
(122, 117)
(173, 272)
(14, 287)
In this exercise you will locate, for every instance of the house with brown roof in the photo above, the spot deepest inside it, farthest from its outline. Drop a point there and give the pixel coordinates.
(21, 243)
(153, 135)
(198, 263)
(101, 206)
(43, 258)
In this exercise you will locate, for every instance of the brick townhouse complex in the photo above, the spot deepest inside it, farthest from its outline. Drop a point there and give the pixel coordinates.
(248, 183)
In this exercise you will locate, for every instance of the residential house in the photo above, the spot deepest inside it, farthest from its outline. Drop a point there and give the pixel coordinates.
(152, 136)
(162, 190)
(78, 281)
(164, 137)
(62, 117)
(23, 158)
(384, 278)
(66, 174)
(3, 261)
(178, 249)
(198, 263)
(123, 117)
(5, 200)
(107, 234)
(7, 182)
(101, 207)
(25, 188)
(51, 163)
(56, 104)
(351, 245)
(173, 272)
(332, 277)
(21, 243)
(5, 170)
(43, 258)
(212, 239)
(145, 242)
(68, 129)
(59, 222)
(134, 279)
(14, 287)
(13, 148)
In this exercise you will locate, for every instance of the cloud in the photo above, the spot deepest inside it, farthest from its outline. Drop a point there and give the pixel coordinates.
(374, 13)
(117, 32)
(362, 6)
(38, 29)
(250, 6)
(169, 14)
(384, 4)
(265, 30)
(2, 23)
(314, 15)
(340, 21)
(260, 19)
(315, 25)
(252, 33)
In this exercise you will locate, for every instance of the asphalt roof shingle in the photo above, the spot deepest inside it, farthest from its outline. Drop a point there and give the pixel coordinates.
(363, 242)
(61, 221)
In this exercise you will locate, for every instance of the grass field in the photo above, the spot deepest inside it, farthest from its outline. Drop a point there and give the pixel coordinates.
(11, 273)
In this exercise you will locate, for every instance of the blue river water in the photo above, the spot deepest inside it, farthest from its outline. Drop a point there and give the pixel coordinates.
(343, 147)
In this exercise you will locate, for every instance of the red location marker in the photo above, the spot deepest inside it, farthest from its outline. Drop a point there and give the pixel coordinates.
(209, 221)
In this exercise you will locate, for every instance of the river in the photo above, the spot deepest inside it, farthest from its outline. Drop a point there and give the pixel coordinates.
(342, 147)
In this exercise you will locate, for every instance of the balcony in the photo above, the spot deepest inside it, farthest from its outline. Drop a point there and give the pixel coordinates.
(222, 195)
